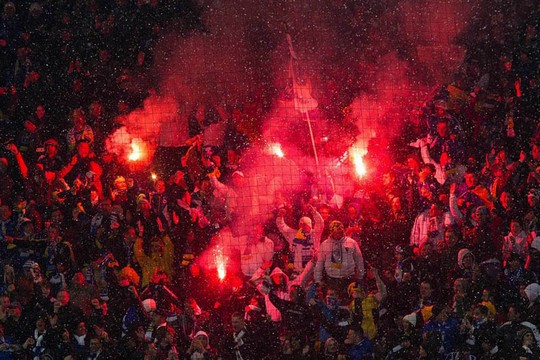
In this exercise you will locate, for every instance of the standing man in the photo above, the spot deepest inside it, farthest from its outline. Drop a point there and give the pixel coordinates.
(304, 241)
(340, 260)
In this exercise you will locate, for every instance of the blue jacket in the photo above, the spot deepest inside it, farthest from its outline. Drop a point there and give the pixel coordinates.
(449, 331)
(361, 350)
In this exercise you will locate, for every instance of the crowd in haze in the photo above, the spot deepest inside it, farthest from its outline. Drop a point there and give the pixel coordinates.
(436, 256)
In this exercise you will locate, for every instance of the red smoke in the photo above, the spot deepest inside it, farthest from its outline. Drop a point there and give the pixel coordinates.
(366, 64)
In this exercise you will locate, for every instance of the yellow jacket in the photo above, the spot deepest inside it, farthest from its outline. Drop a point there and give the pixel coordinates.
(150, 264)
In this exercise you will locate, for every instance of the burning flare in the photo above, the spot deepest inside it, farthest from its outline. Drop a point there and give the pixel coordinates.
(356, 158)
(220, 261)
(136, 150)
(275, 149)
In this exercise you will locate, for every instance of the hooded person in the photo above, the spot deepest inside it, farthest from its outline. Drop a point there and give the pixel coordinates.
(409, 337)
(304, 241)
(532, 294)
(200, 347)
(464, 268)
(532, 291)
(280, 283)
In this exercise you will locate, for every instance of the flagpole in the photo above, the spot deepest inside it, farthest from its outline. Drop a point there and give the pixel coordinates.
(293, 57)
(312, 139)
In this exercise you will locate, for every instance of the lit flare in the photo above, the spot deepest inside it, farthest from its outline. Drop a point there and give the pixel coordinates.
(358, 162)
(276, 150)
(136, 152)
(220, 261)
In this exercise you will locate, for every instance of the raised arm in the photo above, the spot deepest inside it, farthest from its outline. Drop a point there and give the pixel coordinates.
(20, 160)
(288, 232)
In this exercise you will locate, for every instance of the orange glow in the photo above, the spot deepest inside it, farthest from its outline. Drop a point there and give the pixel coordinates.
(136, 150)
(356, 158)
(220, 261)
(275, 149)
(154, 176)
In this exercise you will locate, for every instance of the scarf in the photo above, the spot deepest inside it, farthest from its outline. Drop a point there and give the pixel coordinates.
(239, 342)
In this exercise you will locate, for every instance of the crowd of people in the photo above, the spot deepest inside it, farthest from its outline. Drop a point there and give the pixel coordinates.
(436, 256)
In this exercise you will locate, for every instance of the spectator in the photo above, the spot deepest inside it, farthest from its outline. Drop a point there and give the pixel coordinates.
(339, 261)
(159, 259)
(80, 130)
(360, 347)
(305, 241)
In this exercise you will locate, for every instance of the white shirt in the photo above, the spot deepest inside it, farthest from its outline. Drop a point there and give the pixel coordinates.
(253, 255)
(340, 259)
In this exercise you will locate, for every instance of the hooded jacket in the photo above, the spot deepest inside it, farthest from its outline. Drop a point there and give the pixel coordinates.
(461, 254)
(283, 292)
(303, 245)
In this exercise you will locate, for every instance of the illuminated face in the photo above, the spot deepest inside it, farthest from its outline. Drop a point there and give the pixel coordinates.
(5, 213)
(528, 339)
(442, 128)
(481, 214)
(387, 179)
(412, 163)
(468, 261)
(96, 109)
(425, 290)
(439, 111)
(40, 325)
(443, 316)
(435, 211)
(160, 186)
(338, 233)
(78, 118)
(81, 329)
(237, 323)
(63, 297)
(306, 228)
(277, 279)
(95, 345)
(332, 346)
(351, 338)
(351, 211)
(470, 180)
(505, 199)
(15, 312)
(512, 314)
(459, 288)
(145, 206)
(51, 150)
(396, 204)
(325, 213)
(40, 111)
(535, 152)
(515, 228)
(203, 339)
(531, 199)
(449, 237)
(83, 149)
(130, 234)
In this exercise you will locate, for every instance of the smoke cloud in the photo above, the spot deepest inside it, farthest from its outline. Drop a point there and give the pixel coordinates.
(366, 62)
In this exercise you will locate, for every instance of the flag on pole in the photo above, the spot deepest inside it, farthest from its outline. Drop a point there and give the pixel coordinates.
(303, 101)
